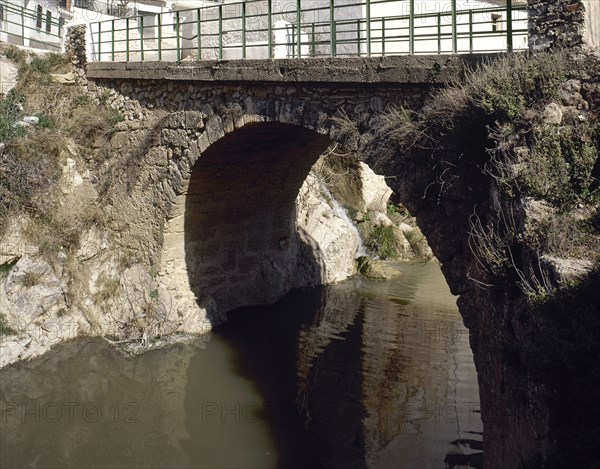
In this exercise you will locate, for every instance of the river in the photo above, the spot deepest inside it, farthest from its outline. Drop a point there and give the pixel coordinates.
(359, 374)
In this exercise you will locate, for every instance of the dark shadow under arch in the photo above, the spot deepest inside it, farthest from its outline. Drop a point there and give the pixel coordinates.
(241, 247)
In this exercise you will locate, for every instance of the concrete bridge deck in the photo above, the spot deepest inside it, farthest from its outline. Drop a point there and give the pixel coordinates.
(395, 70)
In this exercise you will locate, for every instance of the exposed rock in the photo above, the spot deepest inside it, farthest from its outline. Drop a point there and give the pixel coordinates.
(9, 72)
(331, 235)
(92, 242)
(535, 214)
(31, 290)
(377, 269)
(75, 45)
(552, 114)
(64, 79)
(31, 120)
(380, 218)
(570, 93)
(405, 227)
(565, 271)
(10, 351)
(375, 191)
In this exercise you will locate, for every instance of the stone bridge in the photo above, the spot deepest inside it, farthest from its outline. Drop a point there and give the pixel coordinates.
(213, 154)
(220, 151)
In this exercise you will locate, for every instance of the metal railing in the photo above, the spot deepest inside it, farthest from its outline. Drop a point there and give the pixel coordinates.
(269, 29)
(32, 28)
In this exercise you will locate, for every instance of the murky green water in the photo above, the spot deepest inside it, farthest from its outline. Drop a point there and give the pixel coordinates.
(361, 374)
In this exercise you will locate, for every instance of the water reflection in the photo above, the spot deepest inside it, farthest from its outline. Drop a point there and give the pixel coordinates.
(361, 374)
(85, 405)
(385, 376)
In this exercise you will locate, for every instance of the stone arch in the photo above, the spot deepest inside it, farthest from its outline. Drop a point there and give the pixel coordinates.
(212, 243)
(170, 126)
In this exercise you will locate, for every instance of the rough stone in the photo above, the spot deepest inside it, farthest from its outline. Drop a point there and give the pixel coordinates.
(379, 270)
(375, 191)
(31, 289)
(328, 233)
(64, 79)
(552, 114)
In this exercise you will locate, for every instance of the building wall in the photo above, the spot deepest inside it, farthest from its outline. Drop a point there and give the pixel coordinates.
(562, 23)
(22, 26)
(591, 35)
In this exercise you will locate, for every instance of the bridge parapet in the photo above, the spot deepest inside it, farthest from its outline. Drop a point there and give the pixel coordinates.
(266, 29)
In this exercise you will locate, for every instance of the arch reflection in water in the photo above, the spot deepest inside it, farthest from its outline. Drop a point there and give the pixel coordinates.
(384, 371)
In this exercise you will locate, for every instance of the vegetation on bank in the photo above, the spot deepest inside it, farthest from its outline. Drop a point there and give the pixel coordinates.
(5, 328)
(531, 124)
(32, 162)
(340, 172)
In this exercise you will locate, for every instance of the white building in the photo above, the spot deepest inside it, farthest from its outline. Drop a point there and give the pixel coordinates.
(39, 24)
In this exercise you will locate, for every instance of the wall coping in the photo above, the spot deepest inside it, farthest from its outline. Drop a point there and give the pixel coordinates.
(437, 69)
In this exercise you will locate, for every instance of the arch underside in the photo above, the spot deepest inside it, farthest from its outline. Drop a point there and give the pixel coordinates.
(240, 241)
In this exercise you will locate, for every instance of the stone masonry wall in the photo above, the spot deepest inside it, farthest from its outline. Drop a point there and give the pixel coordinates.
(561, 23)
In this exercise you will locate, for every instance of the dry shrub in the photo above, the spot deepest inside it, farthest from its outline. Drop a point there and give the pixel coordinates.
(109, 288)
(31, 166)
(499, 90)
(567, 235)
(339, 171)
(397, 125)
(30, 172)
(31, 279)
(88, 122)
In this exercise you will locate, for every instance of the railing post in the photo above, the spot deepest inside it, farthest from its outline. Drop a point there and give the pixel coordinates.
(220, 31)
(23, 29)
(313, 48)
(368, 29)
(199, 32)
(332, 28)
(471, 31)
(411, 27)
(358, 37)
(243, 30)
(178, 40)
(160, 37)
(112, 38)
(454, 28)
(142, 37)
(127, 40)
(439, 32)
(299, 26)
(270, 27)
(383, 36)
(509, 25)
(99, 41)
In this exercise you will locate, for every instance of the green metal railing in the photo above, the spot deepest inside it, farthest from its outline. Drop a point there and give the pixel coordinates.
(32, 28)
(259, 29)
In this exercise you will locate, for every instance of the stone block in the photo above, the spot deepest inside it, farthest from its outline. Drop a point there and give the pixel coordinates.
(119, 140)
